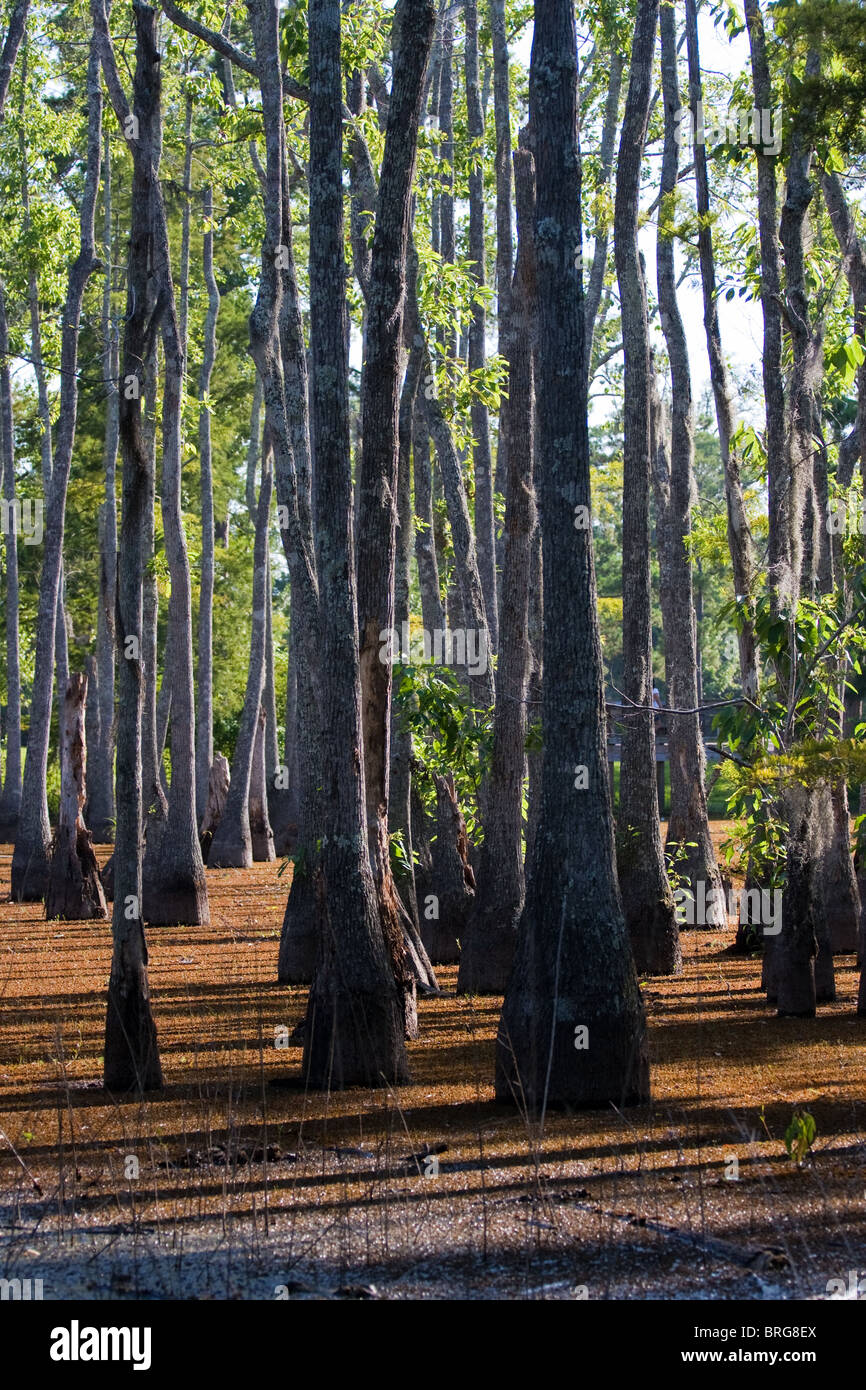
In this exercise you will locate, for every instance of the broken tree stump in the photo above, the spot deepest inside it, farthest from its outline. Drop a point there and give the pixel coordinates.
(217, 795)
(74, 888)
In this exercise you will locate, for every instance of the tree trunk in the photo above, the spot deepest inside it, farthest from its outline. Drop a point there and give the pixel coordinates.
(782, 587)
(739, 534)
(646, 895)
(74, 891)
(356, 1013)
(481, 456)
(277, 347)
(232, 846)
(504, 239)
(432, 611)
(179, 894)
(452, 879)
(595, 286)
(131, 1057)
(380, 406)
(485, 961)
(573, 969)
(204, 722)
(10, 801)
(217, 795)
(261, 835)
(30, 862)
(100, 802)
(688, 837)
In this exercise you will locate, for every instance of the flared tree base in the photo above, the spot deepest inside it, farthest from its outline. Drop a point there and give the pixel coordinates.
(74, 888)
(488, 952)
(352, 1039)
(131, 1055)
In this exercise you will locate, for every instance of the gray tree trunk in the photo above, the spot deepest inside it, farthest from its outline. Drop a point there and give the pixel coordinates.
(74, 891)
(573, 969)
(739, 535)
(782, 587)
(504, 237)
(600, 248)
(646, 896)
(688, 836)
(232, 846)
(10, 801)
(30, 859)
(277, 347)
(131, 1056)
(380, 405)
(261, 835)
(485, 538)
(356, 1013)
(100, 806)
(178, 892)
(204, 721)
(485, 960)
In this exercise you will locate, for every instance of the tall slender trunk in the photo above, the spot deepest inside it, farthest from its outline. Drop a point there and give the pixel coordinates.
(739, 534)
(356, 1013)
(481, 455)
(485, 960)
(232, 847)
(782, 586)
(204, 722)
(10, 801)
(30, 859)
(504, 237)
(131, 1056)
(646, 895)
(572, 1030)
(277, 347)
(100, 802)
(380, 403)
(432, 611)
(688, 835)
(181, 894)
(595, 285)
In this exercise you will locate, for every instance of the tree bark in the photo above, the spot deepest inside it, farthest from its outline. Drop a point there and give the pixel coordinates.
(261, 835)
(100, 807)
(573, 968)
(356, 1013)
(646, 895)
(74, 891)
(380, 405)
(30, 861)
(452, 881)
(217, 795)
(10, 801)
(131, 1056)
(204, 722)
(504, 238)
(477, 358)
(688, 836)
(178, 893)
(232, 846)
(739, 534)
(486, 958)
(782, 586)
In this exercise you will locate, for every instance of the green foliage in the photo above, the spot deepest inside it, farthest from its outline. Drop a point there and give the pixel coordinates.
(799, 1136)
(449, 734)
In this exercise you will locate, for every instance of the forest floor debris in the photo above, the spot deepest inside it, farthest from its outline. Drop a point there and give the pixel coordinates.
(228, 1184)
